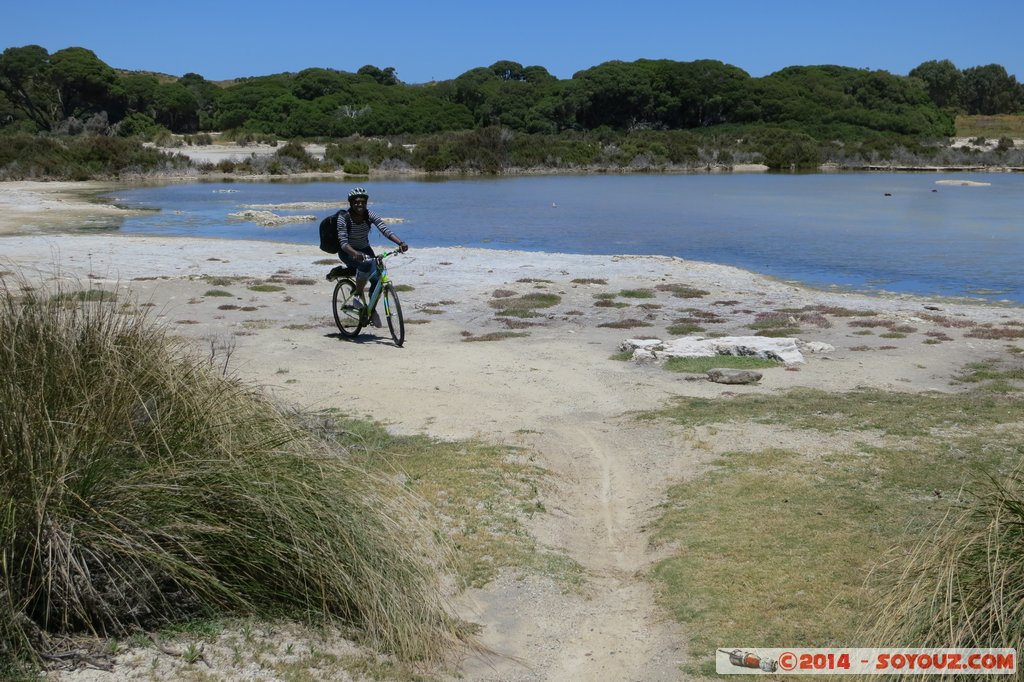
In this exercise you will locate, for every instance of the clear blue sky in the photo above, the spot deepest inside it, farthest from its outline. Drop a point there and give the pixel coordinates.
(439, 39)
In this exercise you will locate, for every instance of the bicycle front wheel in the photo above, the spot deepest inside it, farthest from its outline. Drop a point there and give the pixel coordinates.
(346, 315)
(393, 311)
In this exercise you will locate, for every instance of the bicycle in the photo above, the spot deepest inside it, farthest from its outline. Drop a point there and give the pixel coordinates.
(351, 318)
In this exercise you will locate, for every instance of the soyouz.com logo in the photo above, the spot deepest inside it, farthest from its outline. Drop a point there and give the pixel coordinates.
(748, 661)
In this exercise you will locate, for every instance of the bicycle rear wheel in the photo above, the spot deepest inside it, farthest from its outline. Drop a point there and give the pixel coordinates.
(348, 318)
(393, 311)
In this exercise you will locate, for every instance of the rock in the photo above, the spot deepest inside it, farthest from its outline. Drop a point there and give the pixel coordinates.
(781, 350)
(817, 347)
(270, 219)
(733, 376)
(643, 356)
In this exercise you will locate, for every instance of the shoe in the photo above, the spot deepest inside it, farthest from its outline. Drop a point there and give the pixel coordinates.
(375, 320)
(356, 304)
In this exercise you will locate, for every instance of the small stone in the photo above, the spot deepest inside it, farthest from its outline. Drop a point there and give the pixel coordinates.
(733, 376)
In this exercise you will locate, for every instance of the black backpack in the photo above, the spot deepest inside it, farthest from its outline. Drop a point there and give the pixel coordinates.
(329, 232)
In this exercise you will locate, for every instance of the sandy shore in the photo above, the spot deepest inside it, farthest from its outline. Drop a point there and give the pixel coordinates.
(554, 391)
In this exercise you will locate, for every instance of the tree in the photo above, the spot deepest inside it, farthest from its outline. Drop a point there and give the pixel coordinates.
(85, 84)
(943, 81)
(990, 90)
(385, 76)
(508, 71)
(25, 80)
(313, 83)
(176, 108)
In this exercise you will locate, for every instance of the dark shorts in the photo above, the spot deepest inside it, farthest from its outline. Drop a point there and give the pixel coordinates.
(364, 270)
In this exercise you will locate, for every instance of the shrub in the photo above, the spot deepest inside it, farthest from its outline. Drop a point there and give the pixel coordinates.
(141, 486)
(356, 167)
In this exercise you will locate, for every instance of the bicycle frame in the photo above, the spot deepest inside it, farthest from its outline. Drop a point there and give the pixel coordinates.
(382, 280)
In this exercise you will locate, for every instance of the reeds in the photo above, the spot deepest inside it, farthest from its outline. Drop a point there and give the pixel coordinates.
(140, 486)
(964, 585)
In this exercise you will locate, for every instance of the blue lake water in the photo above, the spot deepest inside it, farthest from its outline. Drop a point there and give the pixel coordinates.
(899, 232)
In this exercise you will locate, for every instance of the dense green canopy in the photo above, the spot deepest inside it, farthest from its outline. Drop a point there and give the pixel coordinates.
(40, 91)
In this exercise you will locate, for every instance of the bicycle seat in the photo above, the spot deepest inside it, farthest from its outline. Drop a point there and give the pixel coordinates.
(340, 271)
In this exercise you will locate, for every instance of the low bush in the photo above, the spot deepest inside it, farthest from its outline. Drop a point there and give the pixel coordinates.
(28, 157)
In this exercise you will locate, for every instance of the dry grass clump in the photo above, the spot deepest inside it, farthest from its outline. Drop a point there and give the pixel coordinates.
(525, 305)
(141, 486)
(891, 325)
(993, 332)
(838, 311)
(685, 325)
(946, 321)
(776, 323)
(682, 290)
(625, 324)
(589, 280)
(963, 586)
(494, 336)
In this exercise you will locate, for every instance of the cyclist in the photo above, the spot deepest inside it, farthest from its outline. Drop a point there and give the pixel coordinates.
(354, 239)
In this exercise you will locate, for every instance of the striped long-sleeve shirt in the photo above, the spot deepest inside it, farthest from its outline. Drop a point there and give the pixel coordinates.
(358, 234)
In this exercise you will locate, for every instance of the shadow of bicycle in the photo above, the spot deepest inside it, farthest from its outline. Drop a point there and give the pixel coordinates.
(364, 338)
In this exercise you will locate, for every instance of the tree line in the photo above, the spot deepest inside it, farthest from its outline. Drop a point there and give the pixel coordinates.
(680, 104)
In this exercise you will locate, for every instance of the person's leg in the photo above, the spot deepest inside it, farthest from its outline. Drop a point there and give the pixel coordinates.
(364, 271)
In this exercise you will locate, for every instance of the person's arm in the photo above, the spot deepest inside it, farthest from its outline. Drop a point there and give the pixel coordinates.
(386, 231)
(401, 245)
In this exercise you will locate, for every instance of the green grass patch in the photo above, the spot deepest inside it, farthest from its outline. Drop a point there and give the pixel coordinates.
(794, 543)
(404, 287)
(218, 292)
(701, 365)
(606, 303)
(484, 493)
(637, 293)
(589, 280)
(266, 288)
(518, 312)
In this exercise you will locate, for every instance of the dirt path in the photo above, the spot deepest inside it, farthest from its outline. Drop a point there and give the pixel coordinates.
(606, 476)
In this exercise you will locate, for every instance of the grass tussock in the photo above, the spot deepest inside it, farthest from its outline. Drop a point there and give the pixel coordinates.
(963, 584)
(141, 486)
